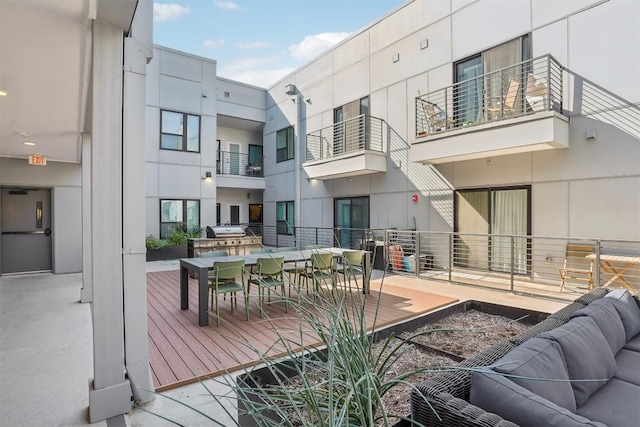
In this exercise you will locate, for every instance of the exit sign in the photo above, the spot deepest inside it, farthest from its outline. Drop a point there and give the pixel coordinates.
(37, 160)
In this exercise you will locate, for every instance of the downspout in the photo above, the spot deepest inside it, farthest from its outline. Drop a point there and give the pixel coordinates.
(297, 98)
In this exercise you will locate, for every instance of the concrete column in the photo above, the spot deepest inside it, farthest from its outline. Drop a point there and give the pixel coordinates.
(109, 391)
(134, 250)
(86, 293)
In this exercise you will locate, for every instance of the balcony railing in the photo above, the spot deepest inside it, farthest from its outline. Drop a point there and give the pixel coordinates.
(525, 88)
(352, 135)
(228, 163)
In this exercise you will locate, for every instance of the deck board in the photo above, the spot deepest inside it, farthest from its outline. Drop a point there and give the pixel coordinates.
(180, 351)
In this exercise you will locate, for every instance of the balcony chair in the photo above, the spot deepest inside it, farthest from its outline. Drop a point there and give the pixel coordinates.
(321, 270)
(577, 271)
(536, 93)
(269, 274)
(508, 105)
(222, 280)
(438, 120)
(351, 266)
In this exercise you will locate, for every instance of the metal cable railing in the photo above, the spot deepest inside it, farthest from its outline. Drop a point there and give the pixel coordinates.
(360, 133)
(525, 88)
(229, 163)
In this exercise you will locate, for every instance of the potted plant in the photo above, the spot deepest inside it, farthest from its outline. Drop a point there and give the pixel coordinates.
(174, 246)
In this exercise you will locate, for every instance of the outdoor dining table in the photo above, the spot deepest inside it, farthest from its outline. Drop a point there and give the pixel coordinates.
(617, 273)
(199, 267)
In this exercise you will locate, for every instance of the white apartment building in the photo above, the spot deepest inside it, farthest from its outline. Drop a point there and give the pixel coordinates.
(475, 116)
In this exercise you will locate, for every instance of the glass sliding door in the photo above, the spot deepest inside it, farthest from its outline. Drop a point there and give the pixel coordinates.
(469, 93)
(351, 218)
(472, 220)
(509, 217)
(486, 222)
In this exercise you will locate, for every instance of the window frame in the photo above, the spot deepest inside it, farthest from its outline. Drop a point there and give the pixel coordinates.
(185, 130)
(184, 214)
(286, 226)
(289, 148)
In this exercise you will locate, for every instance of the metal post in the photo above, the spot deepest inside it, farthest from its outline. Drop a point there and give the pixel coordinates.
(513, 259)
(417, 266)
(450, 255)
(597, 266)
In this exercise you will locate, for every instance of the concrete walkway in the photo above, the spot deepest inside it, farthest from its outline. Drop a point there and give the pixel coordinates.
(46, 351)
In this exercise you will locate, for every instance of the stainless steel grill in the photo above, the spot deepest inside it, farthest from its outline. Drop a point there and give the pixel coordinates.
(233, 239)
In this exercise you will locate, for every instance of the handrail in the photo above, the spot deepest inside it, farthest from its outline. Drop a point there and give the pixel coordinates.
(363, 132)
(241, 164)
(527, 87)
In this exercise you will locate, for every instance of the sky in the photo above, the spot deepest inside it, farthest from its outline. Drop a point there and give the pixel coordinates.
(260, 41)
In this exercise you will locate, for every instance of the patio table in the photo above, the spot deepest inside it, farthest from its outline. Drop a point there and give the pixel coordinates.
(617, 273)
(201, 266)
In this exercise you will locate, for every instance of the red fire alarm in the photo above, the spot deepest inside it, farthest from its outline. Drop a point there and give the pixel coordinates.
(414, 197)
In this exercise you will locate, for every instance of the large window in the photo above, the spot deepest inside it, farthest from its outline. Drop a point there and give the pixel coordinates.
(486, 219)
(351, 218)
(284, 218)
(176, 212)
(179, 131)
(474, 93)
(284, 144)
(349, 134)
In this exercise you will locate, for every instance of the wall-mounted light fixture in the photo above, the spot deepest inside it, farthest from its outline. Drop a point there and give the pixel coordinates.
(590, 135)
(290, 89)
(207, 176)
(395, 57)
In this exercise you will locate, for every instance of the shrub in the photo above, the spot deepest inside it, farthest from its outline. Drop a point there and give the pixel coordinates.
(153, 243)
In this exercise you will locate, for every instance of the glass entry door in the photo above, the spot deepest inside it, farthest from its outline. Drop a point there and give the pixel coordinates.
(486, 220)
(234, 158)
(351, 217)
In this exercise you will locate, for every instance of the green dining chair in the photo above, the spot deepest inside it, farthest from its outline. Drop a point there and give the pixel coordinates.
(351, 266)
(269, 274)
(320, 270)
(223, 280)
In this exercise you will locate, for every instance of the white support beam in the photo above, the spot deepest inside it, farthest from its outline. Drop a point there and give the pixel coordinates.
(109, 392)
(134, 250)
(86, 293)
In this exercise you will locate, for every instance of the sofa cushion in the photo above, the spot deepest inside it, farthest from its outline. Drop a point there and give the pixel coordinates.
(605, 315)
(633, 343)
(628, 310)
(495, 393)
(588, 358)
(615, 404)
(628, 366)
(537, 360)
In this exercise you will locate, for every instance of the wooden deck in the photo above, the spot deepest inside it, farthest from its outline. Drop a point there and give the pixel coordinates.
(180, 351)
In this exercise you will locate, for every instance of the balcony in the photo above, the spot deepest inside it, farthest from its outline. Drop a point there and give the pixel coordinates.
(352, 147)
(513, 110)
(238, 170)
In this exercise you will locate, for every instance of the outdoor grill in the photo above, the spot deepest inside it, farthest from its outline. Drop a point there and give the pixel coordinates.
(231, 238)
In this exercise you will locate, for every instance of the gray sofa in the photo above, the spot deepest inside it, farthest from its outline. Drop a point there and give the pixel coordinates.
(579, 367)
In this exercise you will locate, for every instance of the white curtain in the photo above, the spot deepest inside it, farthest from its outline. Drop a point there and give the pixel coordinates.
(509, 218)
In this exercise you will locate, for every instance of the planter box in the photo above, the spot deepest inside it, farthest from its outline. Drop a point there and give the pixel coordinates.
(263, 375)
(167, 252)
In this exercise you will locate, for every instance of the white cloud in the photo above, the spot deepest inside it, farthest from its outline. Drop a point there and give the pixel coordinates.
(255, 70)
(168, 11)
(226, 5)
(253, 45)
(313, 46)
(260, 78)
(212, 44)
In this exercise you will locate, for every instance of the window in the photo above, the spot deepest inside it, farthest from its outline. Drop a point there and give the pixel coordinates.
(284, 144)
(350, 134)
(176, 212)
(475, 92)
(351, 217)
(284, 218)
(174, 135)
(485, 218)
